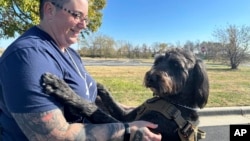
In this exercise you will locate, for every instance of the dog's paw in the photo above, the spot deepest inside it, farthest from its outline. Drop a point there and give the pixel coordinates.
(49, 79)
(54, 85)
(53, 80)
(100, 86)
(102, 91)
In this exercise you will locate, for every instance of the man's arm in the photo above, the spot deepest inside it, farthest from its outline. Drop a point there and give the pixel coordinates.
(52, 125)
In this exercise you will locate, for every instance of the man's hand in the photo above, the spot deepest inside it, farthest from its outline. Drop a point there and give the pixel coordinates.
(140, 131)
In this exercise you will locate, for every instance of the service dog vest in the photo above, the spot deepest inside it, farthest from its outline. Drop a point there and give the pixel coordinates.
(188, 131)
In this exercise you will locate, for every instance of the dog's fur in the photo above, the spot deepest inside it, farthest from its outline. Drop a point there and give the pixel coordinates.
(178, 77)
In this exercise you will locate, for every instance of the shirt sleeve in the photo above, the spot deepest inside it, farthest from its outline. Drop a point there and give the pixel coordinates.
(21, 80)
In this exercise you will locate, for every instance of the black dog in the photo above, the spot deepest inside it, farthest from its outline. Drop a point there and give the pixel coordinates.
(179, 82)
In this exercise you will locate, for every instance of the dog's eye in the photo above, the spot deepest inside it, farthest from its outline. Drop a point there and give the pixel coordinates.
(174, 64)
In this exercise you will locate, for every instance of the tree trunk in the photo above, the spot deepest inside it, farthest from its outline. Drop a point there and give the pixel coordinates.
(234, 66)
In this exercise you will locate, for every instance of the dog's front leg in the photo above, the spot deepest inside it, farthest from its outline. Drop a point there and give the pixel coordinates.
(116, 110)
(61, 91)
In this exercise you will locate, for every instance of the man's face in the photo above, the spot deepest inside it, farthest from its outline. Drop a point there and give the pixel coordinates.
(68, 21)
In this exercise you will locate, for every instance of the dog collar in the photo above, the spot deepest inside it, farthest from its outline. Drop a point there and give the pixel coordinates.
(187, 107)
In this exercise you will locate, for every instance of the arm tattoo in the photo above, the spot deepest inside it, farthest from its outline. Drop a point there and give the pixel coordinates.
(41, 126)
(106, 132)
(51, 125)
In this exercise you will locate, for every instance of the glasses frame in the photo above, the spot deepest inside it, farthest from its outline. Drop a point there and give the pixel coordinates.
(75, 14)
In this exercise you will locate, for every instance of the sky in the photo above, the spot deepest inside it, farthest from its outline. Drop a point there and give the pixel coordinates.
(169, 21)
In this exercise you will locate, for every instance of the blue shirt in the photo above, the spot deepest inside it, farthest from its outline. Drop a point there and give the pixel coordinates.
(21, 67)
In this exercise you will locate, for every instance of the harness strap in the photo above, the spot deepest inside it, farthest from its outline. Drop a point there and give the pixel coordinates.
(186, 128)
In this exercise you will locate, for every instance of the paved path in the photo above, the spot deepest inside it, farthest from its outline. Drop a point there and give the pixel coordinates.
(224, 116)
(216, 121)
(115, 62)
(216, 133)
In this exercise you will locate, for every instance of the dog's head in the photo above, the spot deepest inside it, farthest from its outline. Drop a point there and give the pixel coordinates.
(179, 72)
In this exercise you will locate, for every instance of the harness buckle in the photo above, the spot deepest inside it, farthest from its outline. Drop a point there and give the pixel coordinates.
(187, 130)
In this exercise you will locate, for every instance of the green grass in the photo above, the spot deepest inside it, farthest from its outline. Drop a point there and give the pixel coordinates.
(227, 87)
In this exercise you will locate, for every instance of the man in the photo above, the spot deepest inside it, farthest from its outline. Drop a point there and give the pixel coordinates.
(27, 113)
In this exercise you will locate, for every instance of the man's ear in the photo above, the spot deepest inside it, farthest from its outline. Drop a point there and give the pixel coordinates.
(49, 10)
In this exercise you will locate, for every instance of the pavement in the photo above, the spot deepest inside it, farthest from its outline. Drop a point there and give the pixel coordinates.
(217, 116)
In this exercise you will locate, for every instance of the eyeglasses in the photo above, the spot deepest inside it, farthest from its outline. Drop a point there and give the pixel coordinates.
(77, 15)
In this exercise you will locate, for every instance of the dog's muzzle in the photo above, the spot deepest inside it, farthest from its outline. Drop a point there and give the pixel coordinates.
(159, 82)
(151, 79)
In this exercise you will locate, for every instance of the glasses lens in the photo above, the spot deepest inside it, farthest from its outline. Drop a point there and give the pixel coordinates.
(76, 15)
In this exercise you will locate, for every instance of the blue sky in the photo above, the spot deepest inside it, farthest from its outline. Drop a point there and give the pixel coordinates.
(169, 21)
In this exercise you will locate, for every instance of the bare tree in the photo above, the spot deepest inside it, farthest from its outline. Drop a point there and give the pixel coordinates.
(159, 48)
(98, 45)
(235, 43)
(212, 51)
(146, 51)
(189, 45)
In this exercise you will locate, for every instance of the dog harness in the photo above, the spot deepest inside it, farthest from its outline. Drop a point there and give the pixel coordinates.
(188, 131)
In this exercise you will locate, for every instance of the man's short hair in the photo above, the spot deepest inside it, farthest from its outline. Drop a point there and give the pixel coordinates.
(41, 4)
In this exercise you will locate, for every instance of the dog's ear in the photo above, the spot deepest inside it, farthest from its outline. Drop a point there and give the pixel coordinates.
(202, 83)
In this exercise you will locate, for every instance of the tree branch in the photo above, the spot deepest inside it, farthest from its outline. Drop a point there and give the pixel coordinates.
(16, 13)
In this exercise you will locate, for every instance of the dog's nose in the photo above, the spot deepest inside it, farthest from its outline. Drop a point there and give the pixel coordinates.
(150, 79)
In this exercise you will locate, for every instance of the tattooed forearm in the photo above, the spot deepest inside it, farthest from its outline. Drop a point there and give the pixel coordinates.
(52, 125)
(103, 132)
(41, 126)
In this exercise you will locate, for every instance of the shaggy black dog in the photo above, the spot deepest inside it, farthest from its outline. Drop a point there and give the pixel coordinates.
(177, 77)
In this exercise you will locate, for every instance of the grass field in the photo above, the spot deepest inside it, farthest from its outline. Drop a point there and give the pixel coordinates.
(227, 87)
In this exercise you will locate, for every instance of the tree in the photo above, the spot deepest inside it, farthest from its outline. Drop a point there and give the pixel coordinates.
(124, 49)
(98, 46)
(235, 43)
(159, 48)
(107, 45)
(16, 16)
(189, 45)
(146, 51)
